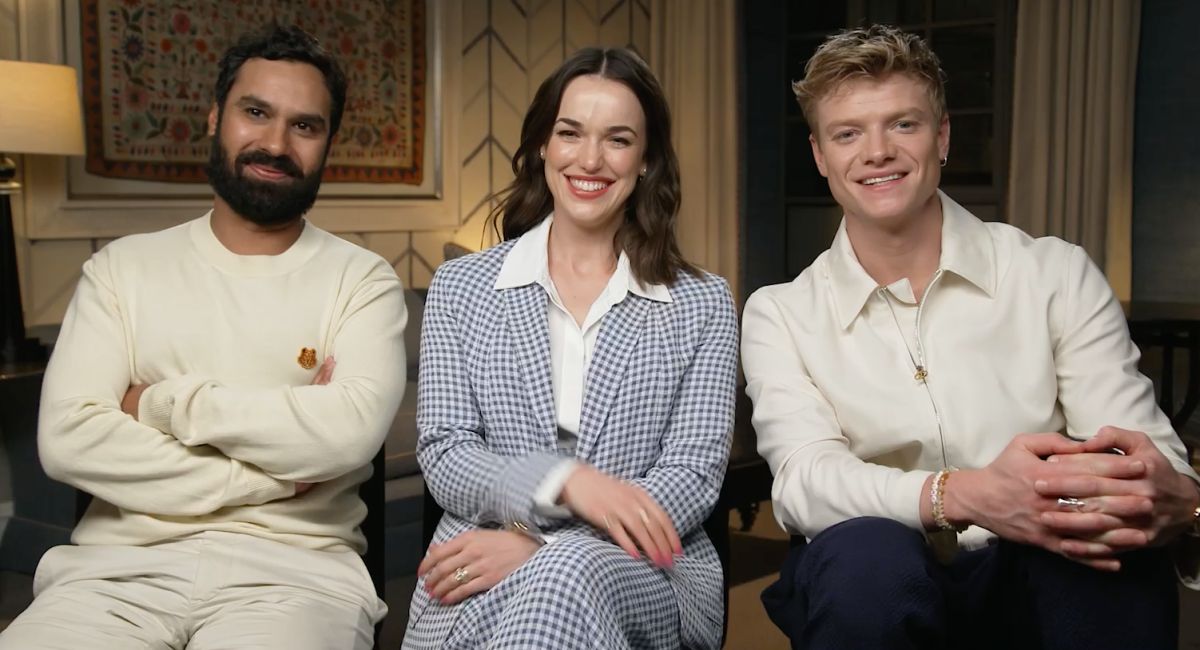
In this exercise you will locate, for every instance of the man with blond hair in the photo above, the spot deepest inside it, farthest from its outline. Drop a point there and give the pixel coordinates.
(951, 408)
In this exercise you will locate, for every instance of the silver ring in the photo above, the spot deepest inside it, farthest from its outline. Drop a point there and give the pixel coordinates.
(1071, 503)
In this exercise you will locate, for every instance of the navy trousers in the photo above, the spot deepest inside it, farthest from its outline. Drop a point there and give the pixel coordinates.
(874, 583)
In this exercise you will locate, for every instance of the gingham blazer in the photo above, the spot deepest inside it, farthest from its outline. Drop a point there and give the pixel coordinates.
(657, 411)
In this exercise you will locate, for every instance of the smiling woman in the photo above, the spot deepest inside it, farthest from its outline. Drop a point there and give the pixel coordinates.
(594, 156)
(614, 93)
(534, 355)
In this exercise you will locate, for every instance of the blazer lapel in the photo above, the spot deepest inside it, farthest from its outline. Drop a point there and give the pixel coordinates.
(619, 334)
(529, 329)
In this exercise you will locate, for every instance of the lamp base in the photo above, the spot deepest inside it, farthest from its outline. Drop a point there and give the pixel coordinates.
(15, 347)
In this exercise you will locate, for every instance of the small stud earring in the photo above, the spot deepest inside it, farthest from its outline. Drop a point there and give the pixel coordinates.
(643, 174)
(542, 154)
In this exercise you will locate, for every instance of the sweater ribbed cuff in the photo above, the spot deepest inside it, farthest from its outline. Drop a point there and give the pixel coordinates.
(155, 406)
(257, 486)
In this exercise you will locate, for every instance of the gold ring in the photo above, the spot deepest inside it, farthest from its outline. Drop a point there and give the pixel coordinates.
(461, 575)
(644, 515)
(607, 523)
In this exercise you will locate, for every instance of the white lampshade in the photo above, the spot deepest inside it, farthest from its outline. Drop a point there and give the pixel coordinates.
(39, 109)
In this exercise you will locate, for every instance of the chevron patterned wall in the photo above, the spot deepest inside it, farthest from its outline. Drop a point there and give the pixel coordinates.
(508, 48)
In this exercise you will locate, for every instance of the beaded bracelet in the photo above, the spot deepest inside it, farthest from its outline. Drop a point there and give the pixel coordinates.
(937, 493)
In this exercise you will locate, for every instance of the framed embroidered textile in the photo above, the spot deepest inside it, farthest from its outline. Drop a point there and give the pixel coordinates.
(149, 68)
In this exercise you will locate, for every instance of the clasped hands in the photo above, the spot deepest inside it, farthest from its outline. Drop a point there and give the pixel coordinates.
(1077, 498)
(477, 560)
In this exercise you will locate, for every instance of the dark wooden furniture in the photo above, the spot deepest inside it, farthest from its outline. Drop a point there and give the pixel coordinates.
(1168, 333)
(371, 493)
(44, 511)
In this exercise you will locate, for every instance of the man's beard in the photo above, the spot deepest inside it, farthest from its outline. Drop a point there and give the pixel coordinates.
(264, 203)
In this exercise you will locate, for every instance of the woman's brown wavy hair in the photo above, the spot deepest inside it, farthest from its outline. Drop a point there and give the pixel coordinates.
(647, 234)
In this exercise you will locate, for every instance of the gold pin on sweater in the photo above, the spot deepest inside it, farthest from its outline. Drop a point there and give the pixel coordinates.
(307, 358)
(919, 375)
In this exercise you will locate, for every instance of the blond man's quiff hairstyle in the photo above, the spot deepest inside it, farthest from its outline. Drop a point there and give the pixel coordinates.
(872, 52)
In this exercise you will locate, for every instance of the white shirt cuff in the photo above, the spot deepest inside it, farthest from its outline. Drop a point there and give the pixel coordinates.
(545, 497)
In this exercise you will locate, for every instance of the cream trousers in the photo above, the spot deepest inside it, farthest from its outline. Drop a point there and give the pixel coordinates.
(215, 591)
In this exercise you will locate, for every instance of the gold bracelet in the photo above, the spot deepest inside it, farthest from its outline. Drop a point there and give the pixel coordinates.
(937, 494)
(529, 531)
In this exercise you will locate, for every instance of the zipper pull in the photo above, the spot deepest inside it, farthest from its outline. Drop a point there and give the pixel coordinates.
(920, 374)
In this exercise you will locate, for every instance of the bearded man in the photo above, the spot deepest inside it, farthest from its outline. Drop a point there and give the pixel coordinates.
(220, 388)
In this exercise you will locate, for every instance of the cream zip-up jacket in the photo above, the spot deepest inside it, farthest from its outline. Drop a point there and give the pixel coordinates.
(1014, 335)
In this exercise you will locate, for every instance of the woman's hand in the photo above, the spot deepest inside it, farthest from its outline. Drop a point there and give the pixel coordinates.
(625, 512)
(473, 562)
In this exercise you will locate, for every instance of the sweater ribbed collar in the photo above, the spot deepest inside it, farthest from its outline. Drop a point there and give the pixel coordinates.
(214, 252)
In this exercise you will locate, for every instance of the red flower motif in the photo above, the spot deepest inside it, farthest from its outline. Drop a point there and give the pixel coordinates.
(180, 130)
(201, 45)
(391, 135)
(180, 23)
(347, 44)
(136, 98)
(165, 45)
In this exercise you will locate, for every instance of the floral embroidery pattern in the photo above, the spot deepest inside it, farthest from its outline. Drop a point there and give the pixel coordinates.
(150, 65)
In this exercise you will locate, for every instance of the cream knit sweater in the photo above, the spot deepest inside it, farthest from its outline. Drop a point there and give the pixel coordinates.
(230, 421)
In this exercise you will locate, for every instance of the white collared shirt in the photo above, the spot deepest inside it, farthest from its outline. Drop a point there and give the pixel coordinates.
(571, 345)
(1016, 335)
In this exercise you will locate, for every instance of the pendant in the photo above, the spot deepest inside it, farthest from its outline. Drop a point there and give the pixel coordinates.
(920, 374)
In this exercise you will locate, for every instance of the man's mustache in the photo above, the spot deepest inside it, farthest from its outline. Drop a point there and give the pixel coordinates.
(280, 163)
